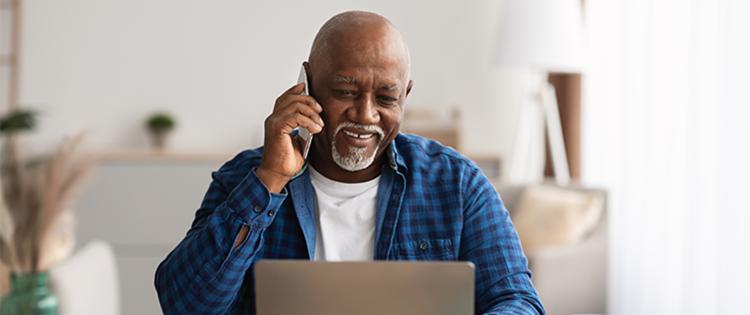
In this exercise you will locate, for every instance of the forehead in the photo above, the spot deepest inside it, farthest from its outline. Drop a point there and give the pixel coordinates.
(355, 66)
(385, 83)
(377, 52)
(364, 74)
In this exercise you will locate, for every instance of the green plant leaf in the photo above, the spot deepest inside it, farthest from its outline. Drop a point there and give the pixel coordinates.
(18, 120)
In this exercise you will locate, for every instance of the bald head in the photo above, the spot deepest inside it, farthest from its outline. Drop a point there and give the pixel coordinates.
(364, 33)
(358, 71)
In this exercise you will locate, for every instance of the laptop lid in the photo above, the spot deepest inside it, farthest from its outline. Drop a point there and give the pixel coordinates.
(285, 287)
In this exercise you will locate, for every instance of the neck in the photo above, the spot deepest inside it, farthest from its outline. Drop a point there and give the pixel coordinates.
(324, 164)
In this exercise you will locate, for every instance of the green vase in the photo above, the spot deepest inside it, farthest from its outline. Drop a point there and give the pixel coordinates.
(29, 295)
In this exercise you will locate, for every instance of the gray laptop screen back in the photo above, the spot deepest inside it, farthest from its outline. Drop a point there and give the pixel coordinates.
(285, 287)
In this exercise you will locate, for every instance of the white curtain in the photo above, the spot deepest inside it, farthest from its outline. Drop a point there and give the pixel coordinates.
(667, 130)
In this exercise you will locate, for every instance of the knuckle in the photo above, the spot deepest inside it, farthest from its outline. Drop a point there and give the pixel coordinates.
(270, 121)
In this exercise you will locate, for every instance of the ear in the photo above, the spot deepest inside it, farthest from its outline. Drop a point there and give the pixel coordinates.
(307, 67)
(408, 87)
(307, 70)
(309, 77)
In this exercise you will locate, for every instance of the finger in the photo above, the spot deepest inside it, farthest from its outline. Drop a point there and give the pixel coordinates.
(309, 100)
(294, 90)
(299, 120)
(290, 99)
(305, 110)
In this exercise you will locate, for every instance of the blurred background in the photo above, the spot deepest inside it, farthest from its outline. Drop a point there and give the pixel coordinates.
(617, 132)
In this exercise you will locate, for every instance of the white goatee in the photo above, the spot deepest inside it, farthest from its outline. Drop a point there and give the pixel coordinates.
(356, 159)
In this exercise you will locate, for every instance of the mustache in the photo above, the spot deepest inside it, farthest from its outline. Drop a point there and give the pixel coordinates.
(368, 128)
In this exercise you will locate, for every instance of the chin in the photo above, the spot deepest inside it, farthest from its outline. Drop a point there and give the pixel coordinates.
(357, 159)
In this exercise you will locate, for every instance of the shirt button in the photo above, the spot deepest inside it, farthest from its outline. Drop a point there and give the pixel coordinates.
(270, 213)
(257, 209)
(423, 246)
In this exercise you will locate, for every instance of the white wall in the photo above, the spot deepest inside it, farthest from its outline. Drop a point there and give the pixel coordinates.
(219, 65)
(667, 130)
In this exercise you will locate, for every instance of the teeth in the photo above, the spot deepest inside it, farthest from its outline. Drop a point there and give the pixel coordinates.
(356, 135)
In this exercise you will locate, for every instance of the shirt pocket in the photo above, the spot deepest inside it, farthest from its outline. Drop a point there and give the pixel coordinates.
(425, 249)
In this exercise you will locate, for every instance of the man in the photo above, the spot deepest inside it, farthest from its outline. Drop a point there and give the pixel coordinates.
(367, 192)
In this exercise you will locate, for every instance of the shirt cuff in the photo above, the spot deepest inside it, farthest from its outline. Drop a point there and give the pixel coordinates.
(252, 199)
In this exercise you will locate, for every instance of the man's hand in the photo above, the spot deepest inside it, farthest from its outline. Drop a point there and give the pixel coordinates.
(282, 155)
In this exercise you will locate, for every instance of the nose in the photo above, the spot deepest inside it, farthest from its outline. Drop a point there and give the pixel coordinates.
(364, 111)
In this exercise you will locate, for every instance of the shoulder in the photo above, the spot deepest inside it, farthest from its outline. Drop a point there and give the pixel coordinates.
(437, 170)
(422, 154)
(234, 170)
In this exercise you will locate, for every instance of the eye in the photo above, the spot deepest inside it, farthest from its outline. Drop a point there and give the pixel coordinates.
(346, 93)
(387, 100)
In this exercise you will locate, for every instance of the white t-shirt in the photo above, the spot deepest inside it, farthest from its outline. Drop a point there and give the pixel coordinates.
(345, 218)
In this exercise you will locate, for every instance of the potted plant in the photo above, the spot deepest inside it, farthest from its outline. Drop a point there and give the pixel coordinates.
(34, 194)
(18, 121)
(159, 126)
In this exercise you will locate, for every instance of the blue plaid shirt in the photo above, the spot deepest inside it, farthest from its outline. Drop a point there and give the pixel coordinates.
(432, 204)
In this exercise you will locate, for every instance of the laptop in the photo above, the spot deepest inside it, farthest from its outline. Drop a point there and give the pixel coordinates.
(286, 287)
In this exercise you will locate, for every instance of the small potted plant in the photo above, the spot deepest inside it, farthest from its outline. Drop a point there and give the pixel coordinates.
(18, 121)
(159, 126)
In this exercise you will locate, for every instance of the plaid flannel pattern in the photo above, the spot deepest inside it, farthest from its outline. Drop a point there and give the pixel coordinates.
(432, 204)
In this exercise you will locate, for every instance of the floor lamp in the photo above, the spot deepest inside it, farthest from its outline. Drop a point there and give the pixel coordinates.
(541, 36)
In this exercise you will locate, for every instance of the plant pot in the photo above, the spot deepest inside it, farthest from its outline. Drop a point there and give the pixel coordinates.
(160, 139)
(29, 295)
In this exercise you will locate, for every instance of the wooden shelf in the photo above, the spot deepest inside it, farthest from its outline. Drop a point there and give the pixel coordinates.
(149, 155)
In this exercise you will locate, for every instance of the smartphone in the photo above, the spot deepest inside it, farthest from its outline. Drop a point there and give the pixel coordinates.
(302, 132)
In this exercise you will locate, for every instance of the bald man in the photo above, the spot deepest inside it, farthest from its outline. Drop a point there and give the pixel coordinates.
(366, 191)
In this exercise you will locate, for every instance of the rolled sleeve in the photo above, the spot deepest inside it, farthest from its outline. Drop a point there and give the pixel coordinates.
(204, 274)
(254, 203)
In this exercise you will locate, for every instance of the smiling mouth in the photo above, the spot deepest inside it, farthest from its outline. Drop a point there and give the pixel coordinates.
(362, 136)
(357, 136)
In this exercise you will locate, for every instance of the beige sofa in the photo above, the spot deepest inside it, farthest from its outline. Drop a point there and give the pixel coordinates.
(571, 279)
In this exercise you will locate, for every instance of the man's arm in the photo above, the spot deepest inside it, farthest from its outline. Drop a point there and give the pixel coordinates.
(205, 272)
(489, 240)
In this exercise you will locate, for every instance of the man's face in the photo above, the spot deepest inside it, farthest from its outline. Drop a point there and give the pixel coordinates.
(362, 92)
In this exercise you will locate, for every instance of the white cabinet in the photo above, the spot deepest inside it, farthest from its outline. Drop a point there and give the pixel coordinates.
(143, 204)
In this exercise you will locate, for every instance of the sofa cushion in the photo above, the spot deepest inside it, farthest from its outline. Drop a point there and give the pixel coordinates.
(548, 216)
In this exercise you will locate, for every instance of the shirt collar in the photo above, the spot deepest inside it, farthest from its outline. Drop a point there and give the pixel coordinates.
(395, 159)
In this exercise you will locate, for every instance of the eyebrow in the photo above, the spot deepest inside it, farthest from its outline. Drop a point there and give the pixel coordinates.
(390, 87)
(343, 79)
(351, 80)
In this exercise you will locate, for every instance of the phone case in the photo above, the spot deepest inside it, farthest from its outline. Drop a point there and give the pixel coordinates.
(303, 133)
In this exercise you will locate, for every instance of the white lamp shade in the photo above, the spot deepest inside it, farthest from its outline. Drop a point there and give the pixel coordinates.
(546, 35)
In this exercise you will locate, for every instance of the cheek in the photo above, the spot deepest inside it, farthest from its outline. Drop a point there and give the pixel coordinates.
(332, 115)
(333, 109)
(391, 121)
